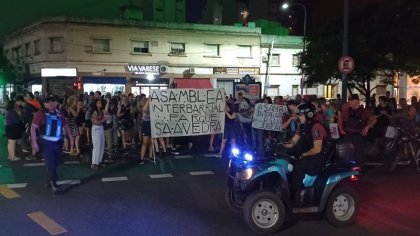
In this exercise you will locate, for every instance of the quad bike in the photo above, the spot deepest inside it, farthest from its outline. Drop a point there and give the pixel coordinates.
(260, 189)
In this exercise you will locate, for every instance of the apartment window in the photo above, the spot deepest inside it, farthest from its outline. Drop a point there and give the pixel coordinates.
(37, 51)
(6, 53)
(17, 54)
(211, 50)
(140, 46)
(56, 44)
(244, 51)
(275, 60)
(27, 49)
(295, 60)
(177, 49)
(101, 45)
(295, 90)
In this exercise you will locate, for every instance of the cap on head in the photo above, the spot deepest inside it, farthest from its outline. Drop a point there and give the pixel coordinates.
(50, 98)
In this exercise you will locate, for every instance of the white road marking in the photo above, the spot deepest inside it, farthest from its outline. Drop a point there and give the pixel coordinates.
(183, 157)
(33, 164)
(202, 173)
(70, 181)
(159, 176)
(114, 179)
(20, 185)
(71, 162)
(211, 155)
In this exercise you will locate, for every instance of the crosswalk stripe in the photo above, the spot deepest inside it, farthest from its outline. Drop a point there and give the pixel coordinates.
(71, 162)
(113, 179)
(70, 182)
(7, 192)
(20, 185)
(47, 223)
(202, 173)
(159, 176)
(33, 164)
(183, 157)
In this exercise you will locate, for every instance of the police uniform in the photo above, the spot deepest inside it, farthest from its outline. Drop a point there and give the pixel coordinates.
(51, 140)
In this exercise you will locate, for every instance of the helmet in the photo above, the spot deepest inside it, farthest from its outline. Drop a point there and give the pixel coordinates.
(308, 109)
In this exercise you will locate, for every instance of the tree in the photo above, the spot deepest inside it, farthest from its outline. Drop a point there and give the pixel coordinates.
(7, 70)
(382, 42)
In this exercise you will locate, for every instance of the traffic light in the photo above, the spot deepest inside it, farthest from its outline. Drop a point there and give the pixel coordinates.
(77, 84)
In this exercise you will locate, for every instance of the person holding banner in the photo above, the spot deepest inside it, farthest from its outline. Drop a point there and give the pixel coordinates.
(229, 132)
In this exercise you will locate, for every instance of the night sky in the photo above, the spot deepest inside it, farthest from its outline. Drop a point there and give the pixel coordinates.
(19, 13)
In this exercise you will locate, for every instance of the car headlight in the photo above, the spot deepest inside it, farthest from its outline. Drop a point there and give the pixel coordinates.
(247, 174)
(248, 157)
(235, 152)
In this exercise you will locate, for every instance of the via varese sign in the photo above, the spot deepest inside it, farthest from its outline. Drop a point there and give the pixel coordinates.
(187, 112)
(268, 116)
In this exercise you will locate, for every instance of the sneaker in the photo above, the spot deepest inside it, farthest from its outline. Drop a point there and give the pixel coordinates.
(142, 162)
(15, 159)
(30, 158)
(211, 149)
(25, 150)
(94, 167)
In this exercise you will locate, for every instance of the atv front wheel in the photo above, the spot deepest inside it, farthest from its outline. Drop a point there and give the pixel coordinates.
(342, 206)
(234, 201)
(264, 212)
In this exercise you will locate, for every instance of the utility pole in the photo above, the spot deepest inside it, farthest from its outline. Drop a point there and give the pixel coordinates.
(344, 76)
(267, 77)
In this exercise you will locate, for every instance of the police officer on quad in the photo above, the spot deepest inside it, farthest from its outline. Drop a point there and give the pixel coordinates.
(308, 145)
(48, 124)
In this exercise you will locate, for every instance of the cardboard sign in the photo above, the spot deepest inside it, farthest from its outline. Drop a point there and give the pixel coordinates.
(268, 116)
(187, 112)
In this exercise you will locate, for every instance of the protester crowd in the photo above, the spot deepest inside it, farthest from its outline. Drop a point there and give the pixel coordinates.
(100, 122)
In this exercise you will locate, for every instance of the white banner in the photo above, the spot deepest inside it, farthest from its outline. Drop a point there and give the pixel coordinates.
(268, 116)
(187, 112)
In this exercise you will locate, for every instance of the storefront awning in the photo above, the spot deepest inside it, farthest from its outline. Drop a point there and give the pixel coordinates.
(193, 83)
(104, 80)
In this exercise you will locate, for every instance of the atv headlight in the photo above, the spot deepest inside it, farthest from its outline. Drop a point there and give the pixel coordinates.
(235, 152)
(247, 174)
(248, 157)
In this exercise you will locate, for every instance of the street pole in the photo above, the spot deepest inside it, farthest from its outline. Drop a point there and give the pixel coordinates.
(344, 77)
(267, 77)
(304, 45)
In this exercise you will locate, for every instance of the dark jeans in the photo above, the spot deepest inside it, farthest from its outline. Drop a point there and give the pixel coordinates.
(51, 151)
(308, 165)
(359, 145)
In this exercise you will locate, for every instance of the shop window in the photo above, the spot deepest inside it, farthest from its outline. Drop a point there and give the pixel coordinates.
(244, 51)
(56, 44)
(140, 46)
(211, 50)
(37, 50)
(329, 90)
(101, 45)
(275, 60)
(177, 49)
(295, 60)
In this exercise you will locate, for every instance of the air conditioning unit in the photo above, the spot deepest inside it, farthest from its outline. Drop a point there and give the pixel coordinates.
(264, 59)
(192, 70)
(163, 69)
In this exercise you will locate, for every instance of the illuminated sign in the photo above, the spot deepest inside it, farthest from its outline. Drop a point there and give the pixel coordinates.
(53, 72)
(144, 69)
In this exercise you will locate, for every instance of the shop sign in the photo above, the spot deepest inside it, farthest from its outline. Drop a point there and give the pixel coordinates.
(236, 70)
(144, 69)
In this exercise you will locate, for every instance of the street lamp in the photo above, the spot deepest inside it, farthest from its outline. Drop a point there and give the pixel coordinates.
(285, 6)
